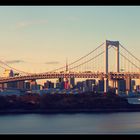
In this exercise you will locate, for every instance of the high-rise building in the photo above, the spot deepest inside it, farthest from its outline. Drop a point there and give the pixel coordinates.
(138, 88)
(33, 85)
(5, 85)
(48, 84)
(57, 85)
(8, 73)
(66, 84)
(12, 85)
(27, 85)
(101, 85)
(72, 82)
(51, 85)
(16, 85)
(85, 88)
(38, 87)
(20, 84)
(79, 85)
(90, 84)
(62, 85)
(61, 80)
(122, 85)
(133, 84)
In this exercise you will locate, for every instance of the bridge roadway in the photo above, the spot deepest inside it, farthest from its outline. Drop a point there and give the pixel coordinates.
(101, 75)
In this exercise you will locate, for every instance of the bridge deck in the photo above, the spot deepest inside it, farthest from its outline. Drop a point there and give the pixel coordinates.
(111, 75)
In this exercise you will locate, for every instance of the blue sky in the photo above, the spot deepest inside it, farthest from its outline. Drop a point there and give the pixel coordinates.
(42, 37)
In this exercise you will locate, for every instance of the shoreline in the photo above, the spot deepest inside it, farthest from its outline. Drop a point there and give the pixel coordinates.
(53, 104)
(68, 111)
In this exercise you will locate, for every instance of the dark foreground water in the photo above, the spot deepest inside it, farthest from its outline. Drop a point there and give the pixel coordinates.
(71, 123)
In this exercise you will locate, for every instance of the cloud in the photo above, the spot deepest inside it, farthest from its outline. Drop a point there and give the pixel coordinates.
(73, 18)
(52, 63)
(24, 24)
(14, 61)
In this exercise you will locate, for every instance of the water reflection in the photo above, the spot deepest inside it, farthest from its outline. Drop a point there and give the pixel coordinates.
(71, 123)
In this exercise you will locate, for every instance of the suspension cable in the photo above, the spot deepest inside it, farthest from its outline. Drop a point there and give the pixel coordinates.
(86, 54)
(79, 58)
(13, 68)
(130, 53)
(89, 60)
(127, 59)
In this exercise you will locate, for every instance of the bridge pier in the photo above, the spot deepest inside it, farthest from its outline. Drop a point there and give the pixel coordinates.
(128, 84)
(106, 68)
(105, 85)
(117, 87)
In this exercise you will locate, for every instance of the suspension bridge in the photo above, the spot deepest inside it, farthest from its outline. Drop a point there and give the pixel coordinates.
(93, 65)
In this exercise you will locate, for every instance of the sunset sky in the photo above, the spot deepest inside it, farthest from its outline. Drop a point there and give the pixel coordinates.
(40, 38)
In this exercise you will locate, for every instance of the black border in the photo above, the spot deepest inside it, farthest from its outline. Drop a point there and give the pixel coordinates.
(70, 2)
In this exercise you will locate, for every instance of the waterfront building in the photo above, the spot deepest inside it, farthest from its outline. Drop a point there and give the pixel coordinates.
(57, 84)
(85, 88)
(90, 83)
(101, 85)
(33, 84)
(79, 85)
(138, 88)
(133, 83)
(48, 85)
(20, 85)
(61, 80)
(27, 85)
(66, 84)
(72, 82)
(62, 85)
(122, 85)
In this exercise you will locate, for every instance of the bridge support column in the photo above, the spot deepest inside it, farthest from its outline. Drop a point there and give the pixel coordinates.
(117, 87)
(106, 58)
(106, 68)
(118, 66)
(114, 84)
(128, 84)
(105, 85)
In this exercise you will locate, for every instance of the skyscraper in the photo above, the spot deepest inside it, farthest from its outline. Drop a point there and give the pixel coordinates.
(48, 84)
(101, 85)
(72, 82)
(8, 73)
(122, 85)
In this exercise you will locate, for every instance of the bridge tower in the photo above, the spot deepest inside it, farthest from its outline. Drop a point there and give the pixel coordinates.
(66, 79)
(116, 44)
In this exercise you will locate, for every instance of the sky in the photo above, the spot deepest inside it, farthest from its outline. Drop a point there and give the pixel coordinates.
(40, 38)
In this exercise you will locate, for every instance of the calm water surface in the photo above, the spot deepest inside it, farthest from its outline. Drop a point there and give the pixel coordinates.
(71, 123)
